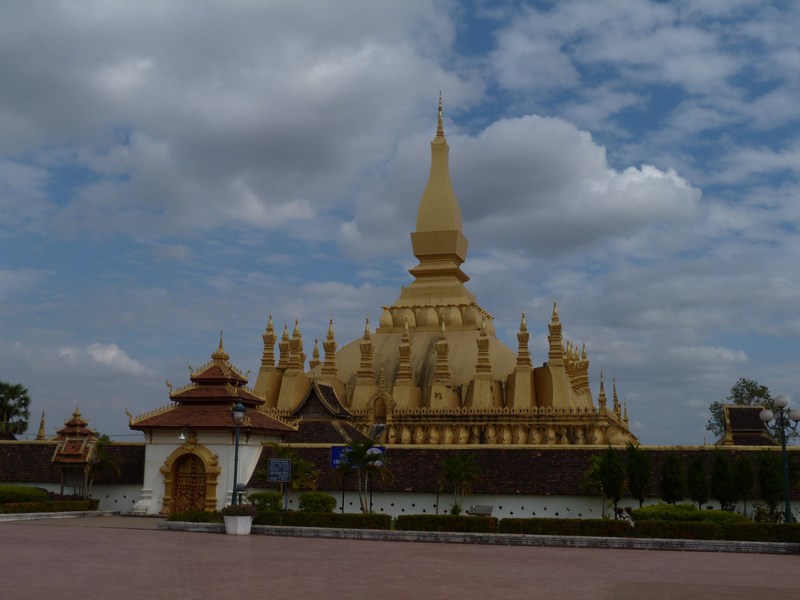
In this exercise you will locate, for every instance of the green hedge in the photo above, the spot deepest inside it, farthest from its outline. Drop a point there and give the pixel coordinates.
(686, 512)
(50, 506)
(677, 530)
(317, 502)
(335, 520)
(21, 493)
(446, 523)
(196, 516)
(683, 530)
(589, 527)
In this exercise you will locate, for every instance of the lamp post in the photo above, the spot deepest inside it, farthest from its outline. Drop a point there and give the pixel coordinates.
(784, 419)
(238, 416)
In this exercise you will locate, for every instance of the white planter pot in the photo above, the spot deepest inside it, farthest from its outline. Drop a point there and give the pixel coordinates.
(238, 525)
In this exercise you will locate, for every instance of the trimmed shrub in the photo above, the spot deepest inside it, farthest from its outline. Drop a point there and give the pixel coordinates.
(685, 512)
(762, 532)
(239, 510)
(51, 506)
(196, 516)
(677, 530)
(317, 502)
(266, 501)
(21, 493)
(334, 520)
(588, 527)
(446, 523)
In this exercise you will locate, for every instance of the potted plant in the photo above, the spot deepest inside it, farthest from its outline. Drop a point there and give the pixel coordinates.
(238, 518)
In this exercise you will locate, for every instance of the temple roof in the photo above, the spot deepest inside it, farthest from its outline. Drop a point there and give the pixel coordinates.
(207, 402)
(75, 426)
(209, 417)
(219, 370)
(76, 442)
(743, 427)
(321, 403)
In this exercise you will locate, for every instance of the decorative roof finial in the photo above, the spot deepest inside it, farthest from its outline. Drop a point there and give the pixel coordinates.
(439, 126)
(366, 329)
(523, 326)
(40, 435)
(220, 354)
(330, 330)
(555, 312)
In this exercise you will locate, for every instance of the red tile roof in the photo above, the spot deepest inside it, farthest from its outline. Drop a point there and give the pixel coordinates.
(210, 417)
(213, 393)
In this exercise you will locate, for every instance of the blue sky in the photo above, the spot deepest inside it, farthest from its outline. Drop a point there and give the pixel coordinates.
(170, 170)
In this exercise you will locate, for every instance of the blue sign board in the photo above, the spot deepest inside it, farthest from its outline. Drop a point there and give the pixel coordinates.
(279, 469)
(338, 454)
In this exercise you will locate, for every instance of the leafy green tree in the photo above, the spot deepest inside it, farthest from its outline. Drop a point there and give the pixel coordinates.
(673, 479)
(639, 472)
(745, 392)
(368, 462)
(697, 482)
(14, 413)
(104, 460)
(459, 471)
(723, 482)
(612, 476)
(770, 480)
(304, 475)
(744, 478)
(590, 482)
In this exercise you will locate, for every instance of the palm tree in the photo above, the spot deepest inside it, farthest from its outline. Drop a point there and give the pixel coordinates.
(14, 414)
(303, 473)
(367, 460)
(459, 471)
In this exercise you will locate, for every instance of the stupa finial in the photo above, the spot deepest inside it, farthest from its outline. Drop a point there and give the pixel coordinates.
(439, 126)
(220, 353)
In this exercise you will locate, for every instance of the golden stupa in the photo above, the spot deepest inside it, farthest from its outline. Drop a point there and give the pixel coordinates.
(434, 372)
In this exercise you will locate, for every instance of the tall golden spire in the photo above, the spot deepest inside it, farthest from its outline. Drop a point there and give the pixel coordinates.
(438, 242)
(555, 355)
(40, 435)
(329, 345)
(438, 207)
(601, 398)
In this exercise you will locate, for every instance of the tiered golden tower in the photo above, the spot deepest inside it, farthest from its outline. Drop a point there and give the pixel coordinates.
(433, 371)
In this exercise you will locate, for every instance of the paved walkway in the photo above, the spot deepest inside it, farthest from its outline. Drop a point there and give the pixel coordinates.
(104, 557)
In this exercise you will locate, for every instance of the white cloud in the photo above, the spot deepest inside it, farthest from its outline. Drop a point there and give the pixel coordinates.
(108, 356)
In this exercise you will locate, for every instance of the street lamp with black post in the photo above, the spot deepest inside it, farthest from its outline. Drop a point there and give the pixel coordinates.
(238, 417)
(784, 419)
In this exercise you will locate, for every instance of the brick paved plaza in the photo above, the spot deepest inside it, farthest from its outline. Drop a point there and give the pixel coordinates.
(107, 558)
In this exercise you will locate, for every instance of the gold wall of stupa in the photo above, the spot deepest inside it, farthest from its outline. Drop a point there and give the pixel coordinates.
(433, 371)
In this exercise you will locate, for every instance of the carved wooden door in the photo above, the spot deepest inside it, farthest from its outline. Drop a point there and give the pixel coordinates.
(190, 484)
